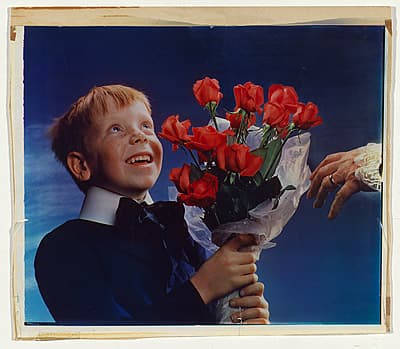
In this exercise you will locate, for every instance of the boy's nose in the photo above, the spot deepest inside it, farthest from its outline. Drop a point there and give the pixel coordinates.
(138, 137)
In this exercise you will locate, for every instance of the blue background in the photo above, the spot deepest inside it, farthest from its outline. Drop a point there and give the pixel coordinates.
(321, 271)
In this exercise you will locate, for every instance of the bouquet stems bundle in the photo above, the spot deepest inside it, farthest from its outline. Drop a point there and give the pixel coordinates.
(242, 178)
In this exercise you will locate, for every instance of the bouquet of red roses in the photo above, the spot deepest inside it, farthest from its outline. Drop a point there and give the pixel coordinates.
(227, 178)
(239, 172)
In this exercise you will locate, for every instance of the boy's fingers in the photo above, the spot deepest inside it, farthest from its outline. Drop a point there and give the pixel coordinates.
(252, 278)
(240, 241)
(245, 258)
(245, 269)
(242, 258)
(246, 280)
(260, 321)
(250, 314)
(256, 289)
(249, 302)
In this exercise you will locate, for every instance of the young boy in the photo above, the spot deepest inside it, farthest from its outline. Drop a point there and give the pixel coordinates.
(123, 261)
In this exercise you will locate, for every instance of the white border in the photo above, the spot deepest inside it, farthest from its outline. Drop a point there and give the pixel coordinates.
(344, 341)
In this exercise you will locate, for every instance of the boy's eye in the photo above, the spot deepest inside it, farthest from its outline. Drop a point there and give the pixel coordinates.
(148, 125)
(115, 129)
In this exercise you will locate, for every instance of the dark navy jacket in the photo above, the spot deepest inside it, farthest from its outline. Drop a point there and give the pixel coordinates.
(95, 274)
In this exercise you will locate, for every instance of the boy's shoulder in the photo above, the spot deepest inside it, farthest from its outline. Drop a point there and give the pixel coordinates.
(70, 232)
(68, 228)
(73, 239)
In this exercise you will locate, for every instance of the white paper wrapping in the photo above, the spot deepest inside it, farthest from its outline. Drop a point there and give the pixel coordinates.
(264, 222)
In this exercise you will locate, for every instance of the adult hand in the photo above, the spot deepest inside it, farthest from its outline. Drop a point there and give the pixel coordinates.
(253, 308)
(227, 270)
(336, 172)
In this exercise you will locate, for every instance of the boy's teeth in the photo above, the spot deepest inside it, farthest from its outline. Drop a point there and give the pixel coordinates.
(139, 158)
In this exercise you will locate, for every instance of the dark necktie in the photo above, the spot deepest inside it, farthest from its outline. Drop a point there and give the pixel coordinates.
(162, 222)
(132, 216)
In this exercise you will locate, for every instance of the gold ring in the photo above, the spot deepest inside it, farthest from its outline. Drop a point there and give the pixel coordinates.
(333, 181)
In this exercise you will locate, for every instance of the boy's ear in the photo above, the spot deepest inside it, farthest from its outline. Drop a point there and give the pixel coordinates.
(78, 166)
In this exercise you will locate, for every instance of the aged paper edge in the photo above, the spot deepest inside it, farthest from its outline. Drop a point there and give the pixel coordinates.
(16, 123)
(20, 17)
(122, 332)
(188, 16)
(387, 218)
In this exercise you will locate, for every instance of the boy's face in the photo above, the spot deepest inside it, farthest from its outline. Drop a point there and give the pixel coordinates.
(125, 155)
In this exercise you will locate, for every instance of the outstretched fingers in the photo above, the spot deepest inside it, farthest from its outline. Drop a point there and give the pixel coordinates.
(319, 177)
(348, 189)
(328, 160)
(325, 188)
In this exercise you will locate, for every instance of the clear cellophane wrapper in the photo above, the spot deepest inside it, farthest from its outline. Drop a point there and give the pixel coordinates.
(264, 222)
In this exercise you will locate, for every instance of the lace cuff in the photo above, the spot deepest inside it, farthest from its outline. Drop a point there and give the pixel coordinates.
(369, 163)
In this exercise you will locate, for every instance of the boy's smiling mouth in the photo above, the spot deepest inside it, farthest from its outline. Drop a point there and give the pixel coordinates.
(139, 159)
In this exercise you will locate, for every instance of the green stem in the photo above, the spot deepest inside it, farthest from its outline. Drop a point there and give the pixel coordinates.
(241, 133)
(214, 210)
(215, 122)
(194, 158)
(212, 110)
(269, 174)
(266, 136)
(278, 153)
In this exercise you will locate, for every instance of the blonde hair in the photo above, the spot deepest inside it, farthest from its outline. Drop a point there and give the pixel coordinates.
(68, 132)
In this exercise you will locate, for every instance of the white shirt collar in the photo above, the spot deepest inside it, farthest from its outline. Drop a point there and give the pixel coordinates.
(100, 205)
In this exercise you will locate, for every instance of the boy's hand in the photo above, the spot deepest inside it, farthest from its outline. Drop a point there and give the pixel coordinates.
(252, 304)
(227, 270)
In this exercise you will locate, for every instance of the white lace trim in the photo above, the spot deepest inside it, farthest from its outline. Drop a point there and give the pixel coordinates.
(368, 163)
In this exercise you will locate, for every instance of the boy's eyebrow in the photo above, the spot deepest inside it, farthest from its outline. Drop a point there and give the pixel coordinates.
(148, 117)
(118, 119)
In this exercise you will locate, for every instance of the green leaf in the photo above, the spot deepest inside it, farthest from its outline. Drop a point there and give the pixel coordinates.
(288, 187)
(258, 179)
(232, 203)
(231, 178)
(267, 133)
(271, 155)
(264, 154)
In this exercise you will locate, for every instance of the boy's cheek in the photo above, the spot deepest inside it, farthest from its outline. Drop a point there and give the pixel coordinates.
(159, 155)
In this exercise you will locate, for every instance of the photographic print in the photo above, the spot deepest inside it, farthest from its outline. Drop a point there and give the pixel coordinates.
(254, 128)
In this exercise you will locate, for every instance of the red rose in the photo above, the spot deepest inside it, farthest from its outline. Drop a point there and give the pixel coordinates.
(284, 95)
(206, 138)
(180, 177)
(275, 115)
(307, 116)
(207, 90)
(175, 131)
(236, 118)
(249, 97)
(237, 158)
(201, 192)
